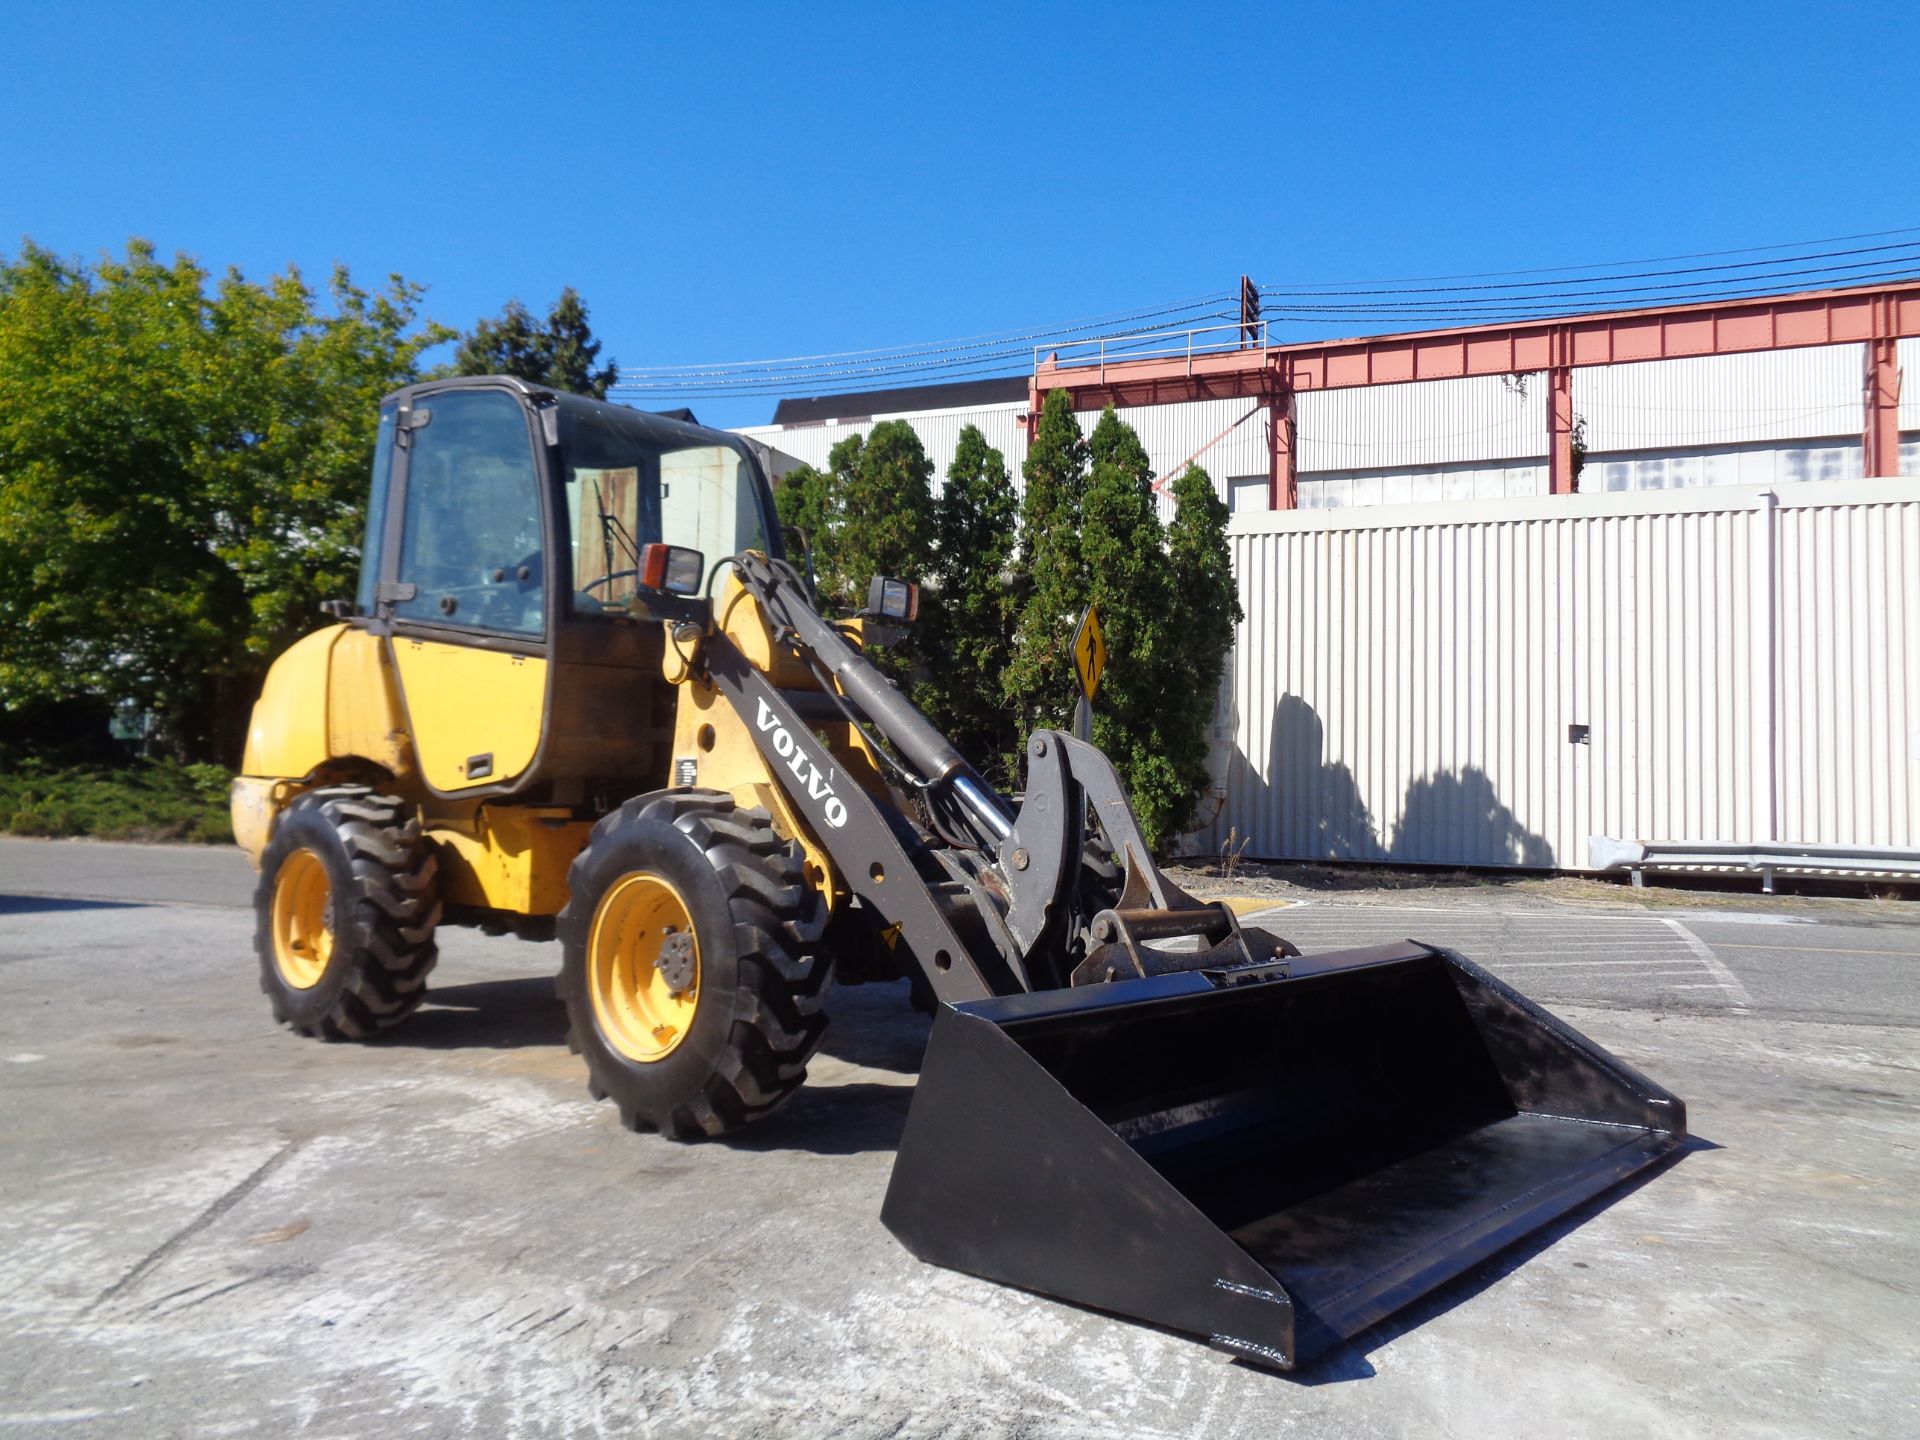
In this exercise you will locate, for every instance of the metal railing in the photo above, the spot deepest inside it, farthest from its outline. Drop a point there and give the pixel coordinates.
(1100, 351)
(1765, 858)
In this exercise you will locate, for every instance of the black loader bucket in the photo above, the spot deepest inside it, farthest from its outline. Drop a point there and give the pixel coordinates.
(1271, 1158)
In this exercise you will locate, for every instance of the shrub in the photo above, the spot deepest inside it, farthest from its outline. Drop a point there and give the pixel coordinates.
(150, 800)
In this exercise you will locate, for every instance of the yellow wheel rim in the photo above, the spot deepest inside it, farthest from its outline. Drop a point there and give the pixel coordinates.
(643, 968)
(302, 926)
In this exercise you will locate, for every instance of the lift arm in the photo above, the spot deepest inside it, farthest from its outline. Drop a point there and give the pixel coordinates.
(1022, 909)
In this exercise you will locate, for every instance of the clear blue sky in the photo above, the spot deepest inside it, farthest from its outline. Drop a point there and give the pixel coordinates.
(729, 182)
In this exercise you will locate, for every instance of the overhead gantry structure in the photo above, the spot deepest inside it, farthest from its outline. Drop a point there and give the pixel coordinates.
(1876, 317)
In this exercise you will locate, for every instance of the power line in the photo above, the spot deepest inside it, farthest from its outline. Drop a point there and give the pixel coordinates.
(1890, 268)
(1772, 265)
(1644, 260)
(1000, 338)
(1009, 351)
(788, 379)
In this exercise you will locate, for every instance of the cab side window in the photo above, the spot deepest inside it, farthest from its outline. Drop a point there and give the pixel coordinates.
(373, 545)
(470, 540)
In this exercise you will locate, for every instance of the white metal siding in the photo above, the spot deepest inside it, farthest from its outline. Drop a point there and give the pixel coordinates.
(939, 431)
(1222, 437)
(1777, 462)
(1721, 399)
(1423, 422)
(1777, 417)
(1203, 433)
(1486, 480)
(1849, 658)
(1405, 679)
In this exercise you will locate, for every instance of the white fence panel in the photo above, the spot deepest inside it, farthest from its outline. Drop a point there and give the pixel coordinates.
(1745, 664)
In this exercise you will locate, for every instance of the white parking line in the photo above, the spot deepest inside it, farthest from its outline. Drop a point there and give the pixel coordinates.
(1594, 965)
(1730, 982)
(1661, 949)
(1321, 907)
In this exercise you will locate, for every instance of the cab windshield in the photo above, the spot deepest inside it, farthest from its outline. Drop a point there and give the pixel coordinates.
(631, 481)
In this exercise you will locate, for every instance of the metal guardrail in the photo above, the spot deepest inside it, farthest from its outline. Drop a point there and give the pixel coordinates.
(1765, 857)
(1100, 351)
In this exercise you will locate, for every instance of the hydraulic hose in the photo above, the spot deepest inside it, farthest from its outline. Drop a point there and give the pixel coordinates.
(918, 740)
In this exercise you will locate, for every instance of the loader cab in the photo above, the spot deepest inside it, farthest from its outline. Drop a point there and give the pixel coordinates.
(504, 529)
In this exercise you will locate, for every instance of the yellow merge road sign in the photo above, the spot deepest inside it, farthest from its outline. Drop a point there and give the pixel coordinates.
(1089, 652)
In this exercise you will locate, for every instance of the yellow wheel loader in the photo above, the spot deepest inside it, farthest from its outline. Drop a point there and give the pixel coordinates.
(583, 694)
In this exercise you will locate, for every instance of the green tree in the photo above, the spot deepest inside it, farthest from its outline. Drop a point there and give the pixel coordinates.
(1206, 610)
(182, 475)
(1047, 582)
(885, 524)
(968, 617)
(1139, 711)
(815, 501)
(560, 353)
(870, 512)
(1207, 597)
(804, 499)
(1091, 534)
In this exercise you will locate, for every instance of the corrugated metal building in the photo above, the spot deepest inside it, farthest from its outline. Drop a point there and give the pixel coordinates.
(1726, 611)
(1775, 417)
(1492, 682)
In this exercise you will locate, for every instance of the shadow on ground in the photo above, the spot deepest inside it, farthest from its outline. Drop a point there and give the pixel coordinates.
(872, 1028)
(876, 1026)
(486, 1015)
(853, 1119)
(49, 904)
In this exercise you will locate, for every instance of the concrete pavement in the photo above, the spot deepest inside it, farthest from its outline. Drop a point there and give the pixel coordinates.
(209, 1226)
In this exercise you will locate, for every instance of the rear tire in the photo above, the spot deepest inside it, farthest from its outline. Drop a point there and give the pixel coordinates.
(346, 908)
(704, 1044)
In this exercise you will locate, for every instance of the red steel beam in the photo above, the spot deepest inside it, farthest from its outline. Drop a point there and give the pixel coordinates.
(1283, 453)
(1719, 327)
(1560, 430)
(1881, 395)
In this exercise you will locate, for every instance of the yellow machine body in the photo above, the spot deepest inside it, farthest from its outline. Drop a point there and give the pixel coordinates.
(450, 721)
(330, 697)
(344, 703)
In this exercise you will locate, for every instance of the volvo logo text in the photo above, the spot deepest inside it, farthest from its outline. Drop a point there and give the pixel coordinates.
(801, 765)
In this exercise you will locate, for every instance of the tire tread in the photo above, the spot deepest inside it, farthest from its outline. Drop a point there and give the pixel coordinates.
(395, 909)
(779, 1012)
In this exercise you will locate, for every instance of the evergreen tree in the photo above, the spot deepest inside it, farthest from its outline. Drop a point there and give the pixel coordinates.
(870, 512)
(1206, 609)
(1047, 582)
(968, 616)
(1208, 599)
(827, 505)
(1141, 708)
(885, 500)
(803, 497)
(1091, 533)
(560, 353)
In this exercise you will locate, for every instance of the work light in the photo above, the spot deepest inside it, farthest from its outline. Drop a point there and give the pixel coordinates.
(672, 568)
(895, 600)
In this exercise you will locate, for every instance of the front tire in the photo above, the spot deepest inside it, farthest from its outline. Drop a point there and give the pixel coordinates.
(346, 908)
(690, 975)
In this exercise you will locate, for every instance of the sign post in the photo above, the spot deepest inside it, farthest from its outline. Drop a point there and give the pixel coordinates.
(1089, 662)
